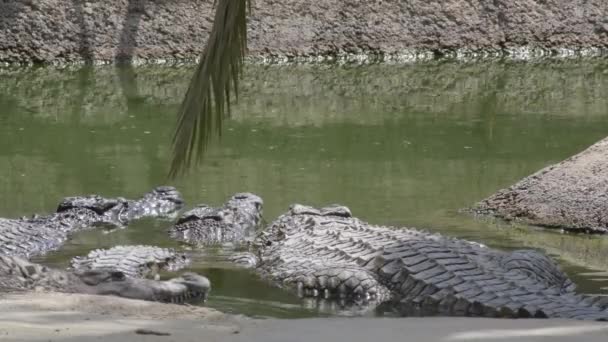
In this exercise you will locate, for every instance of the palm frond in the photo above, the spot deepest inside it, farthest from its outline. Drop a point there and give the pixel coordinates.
(207, 100)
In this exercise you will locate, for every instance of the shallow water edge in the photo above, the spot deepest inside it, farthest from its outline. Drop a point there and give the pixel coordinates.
(402, 145)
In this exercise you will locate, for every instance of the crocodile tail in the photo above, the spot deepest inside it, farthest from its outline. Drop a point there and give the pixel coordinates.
(431, 279)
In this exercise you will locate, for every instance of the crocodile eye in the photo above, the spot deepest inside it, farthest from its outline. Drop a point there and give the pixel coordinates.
(117, 276)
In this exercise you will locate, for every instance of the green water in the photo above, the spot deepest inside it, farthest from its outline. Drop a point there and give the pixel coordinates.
(400, 145)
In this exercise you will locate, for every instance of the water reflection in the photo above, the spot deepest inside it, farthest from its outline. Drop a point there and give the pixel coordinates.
(400, 145)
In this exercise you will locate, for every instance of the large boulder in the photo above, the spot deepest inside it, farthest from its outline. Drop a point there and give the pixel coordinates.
(572, 194)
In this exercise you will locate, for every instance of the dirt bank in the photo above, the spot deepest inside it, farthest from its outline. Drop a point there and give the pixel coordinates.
(61, 317)
(572, 194)
(76, 30)
(58, 316)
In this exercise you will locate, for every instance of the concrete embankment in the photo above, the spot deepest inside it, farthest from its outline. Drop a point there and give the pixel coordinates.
(58, 31)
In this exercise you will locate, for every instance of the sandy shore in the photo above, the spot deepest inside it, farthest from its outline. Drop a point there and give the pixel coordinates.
(75, 317)
(61, 317)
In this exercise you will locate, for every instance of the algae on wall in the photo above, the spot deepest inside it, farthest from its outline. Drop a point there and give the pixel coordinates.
(102, 94)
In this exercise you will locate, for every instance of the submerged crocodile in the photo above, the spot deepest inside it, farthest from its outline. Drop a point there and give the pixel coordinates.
(330, 255)
(133, 261)
(17, 274)
(28, 237)
(233, 222)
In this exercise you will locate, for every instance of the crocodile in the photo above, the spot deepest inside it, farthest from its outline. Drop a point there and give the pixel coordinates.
(18, 274)
(37, 235)
(327, 254)
(161, 202)
(138, 261)
(235, 221)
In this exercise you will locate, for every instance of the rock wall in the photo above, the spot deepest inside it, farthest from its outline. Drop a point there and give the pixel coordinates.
(57, 31)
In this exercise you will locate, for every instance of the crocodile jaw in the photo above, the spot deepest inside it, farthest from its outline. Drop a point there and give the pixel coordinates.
(188, 287)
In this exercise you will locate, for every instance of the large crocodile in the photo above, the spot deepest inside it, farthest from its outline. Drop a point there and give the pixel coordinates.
(133, 261)
(28, 237)
(17, 274)
(233, 222)
(327, 253)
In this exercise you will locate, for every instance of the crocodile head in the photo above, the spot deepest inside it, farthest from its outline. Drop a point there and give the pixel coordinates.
(185, 288)
(19, 274)
(299, 217)
(200, 212)
(331, 210)
(302, 217)
(96, 203)
(235, 221)
(162, 201)
(245, 209)
(135, 261)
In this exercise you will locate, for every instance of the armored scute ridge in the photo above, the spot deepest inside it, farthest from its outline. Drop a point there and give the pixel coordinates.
(328, 254)
(233, 222)
(28, 237)
(17, 274)
(132, 261)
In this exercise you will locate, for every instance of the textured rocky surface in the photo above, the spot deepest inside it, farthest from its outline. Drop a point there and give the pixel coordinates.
(133, 261)
(28, 237)
(571, 195)
(63, 31)
(330, 255)
(17, 274)
(233, 222)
